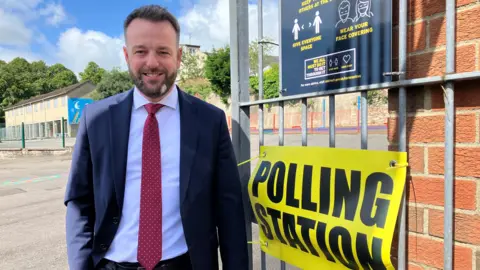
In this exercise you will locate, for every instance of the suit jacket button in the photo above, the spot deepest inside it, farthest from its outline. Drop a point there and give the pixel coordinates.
(103, 246)
(115, 220)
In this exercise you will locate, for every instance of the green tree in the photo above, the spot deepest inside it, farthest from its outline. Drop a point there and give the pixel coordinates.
(200, 86)
(113, 82)
(16, 82)
(92, 73)
(253, 51)
(20, 80)
(60, 76)
(270, 82)
(217, 71)
(375, 98)
(191, 66)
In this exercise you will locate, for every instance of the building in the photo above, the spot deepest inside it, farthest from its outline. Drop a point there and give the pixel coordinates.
(42, 115)
(193, 50)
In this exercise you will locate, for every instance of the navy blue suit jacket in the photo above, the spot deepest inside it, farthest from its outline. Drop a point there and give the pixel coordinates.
(210, 189)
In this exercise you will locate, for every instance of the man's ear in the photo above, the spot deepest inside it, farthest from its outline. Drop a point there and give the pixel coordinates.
(179, 59)
(125, 53)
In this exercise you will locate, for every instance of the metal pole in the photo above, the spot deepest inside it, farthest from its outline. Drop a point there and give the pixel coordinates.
(364, 112)
(280, 84)
(281, 143)
(402, 135)
(260, 73)
(263, 257)
(331, 114)
(449, 135)
(63, 132)
(239, 92)
(23, 135)
(304, 121)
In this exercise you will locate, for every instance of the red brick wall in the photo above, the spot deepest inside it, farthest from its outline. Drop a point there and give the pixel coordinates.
(425, 134)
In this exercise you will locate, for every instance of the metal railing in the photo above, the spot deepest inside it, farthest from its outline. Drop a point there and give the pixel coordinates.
(241, 110)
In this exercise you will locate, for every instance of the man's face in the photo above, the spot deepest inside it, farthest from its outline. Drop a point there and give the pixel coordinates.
(343, 11)
(153, 56)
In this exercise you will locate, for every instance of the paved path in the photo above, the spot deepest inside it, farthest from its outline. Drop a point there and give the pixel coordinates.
(32, 227)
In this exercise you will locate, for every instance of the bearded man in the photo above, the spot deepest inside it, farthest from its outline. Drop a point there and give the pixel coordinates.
(154, 181)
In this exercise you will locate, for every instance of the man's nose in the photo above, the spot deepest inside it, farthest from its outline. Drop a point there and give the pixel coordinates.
(152, 61)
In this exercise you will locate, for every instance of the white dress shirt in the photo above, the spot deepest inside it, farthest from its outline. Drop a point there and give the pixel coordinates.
(124, 245)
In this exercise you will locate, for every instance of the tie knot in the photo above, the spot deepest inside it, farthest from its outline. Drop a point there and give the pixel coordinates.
(152, 108)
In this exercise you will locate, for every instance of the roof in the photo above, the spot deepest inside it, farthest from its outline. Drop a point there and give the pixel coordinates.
(54, 93)
(190, 45)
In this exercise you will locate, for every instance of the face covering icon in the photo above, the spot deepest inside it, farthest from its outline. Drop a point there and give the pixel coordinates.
(343, 13)
(363, 9)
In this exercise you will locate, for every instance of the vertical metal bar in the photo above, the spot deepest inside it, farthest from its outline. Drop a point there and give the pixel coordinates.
(280, 84)
(63, 132)
(23, 135)
(402, 117)
(263, 257)
(260, 72)
(241, 116)
(364, 120)
(304, 121)
(281, 123)
(449, 135)
(281, 142)
(331, 114)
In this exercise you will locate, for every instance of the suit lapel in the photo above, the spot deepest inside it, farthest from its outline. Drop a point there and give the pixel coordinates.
(120, 114)
(188, 141)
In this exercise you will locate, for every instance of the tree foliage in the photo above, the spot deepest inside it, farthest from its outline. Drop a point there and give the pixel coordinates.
(217, 71)
(196, 86)
(21, 80)
(113, 82)
(191, 66)
(92, 73)
(253, 52)
(375, 98)
(270, 82)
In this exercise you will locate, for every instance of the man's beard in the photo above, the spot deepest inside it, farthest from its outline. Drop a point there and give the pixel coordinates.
(153, 92)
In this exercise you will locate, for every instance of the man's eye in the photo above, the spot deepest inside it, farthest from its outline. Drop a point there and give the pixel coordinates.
(139, 52)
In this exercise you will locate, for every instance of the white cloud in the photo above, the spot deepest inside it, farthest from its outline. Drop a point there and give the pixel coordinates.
(76, 48)
(13, 31)
(8, 55)
(207, 23)
(54, 13)
(20, 5)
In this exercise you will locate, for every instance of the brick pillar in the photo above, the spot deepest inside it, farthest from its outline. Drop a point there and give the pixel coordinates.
(425, 135)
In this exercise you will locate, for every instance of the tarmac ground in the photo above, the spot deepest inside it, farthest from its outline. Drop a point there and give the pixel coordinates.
(32, 214)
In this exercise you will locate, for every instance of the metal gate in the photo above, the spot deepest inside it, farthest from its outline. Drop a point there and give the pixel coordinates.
(241, 104)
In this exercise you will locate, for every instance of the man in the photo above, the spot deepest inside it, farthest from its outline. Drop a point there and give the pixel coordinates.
(153, 173)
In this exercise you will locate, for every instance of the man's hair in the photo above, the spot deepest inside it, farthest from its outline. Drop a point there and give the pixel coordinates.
(153, 13)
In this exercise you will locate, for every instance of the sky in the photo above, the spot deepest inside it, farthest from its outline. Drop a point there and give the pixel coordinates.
(74, 32)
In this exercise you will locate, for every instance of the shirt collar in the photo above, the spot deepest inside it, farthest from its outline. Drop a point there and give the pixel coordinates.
(171, 100)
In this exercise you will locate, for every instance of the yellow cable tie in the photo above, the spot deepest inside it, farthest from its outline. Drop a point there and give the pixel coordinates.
(246, 161)
(260, 242)
(397, 166)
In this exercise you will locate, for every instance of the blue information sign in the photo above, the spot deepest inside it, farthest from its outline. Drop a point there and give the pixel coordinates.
(75, 108)
(331, 44)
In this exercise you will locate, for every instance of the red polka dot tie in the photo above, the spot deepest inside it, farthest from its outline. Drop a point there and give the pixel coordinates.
(150, 227)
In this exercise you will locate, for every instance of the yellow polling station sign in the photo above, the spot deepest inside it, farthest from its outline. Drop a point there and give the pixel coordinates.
(328, 208)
